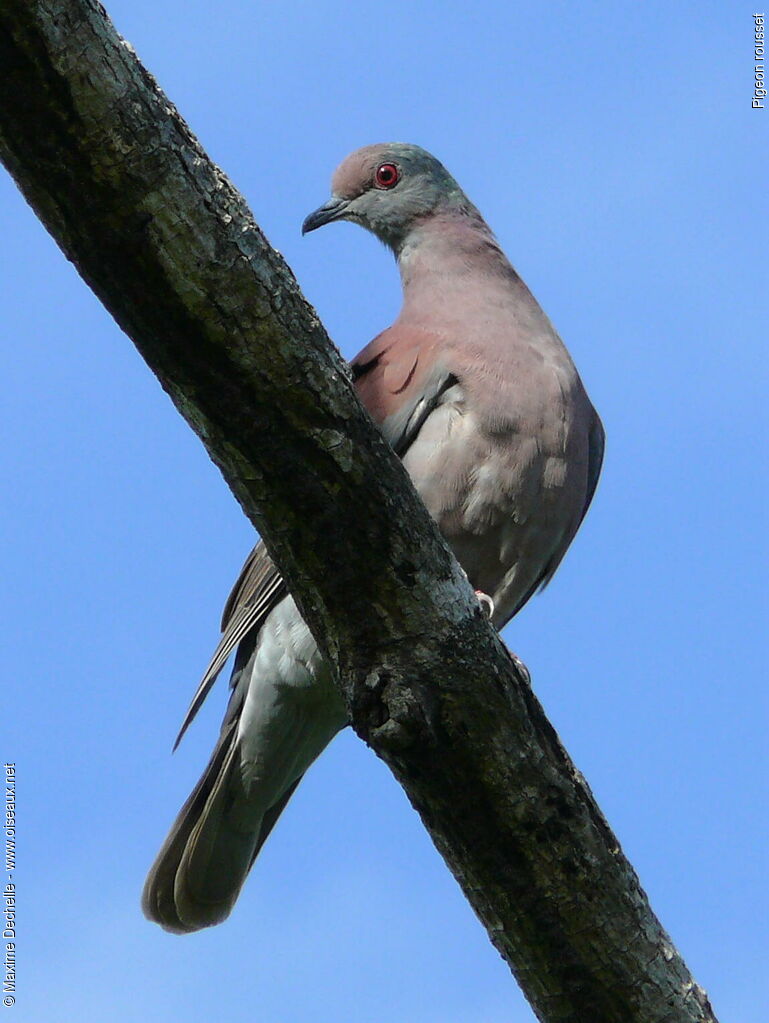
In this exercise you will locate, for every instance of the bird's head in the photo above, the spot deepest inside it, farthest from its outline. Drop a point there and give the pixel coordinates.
(388, 189)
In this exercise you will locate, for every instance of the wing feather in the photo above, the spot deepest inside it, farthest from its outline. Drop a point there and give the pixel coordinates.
(258, 589)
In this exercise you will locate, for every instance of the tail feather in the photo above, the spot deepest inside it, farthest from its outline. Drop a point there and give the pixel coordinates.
(198, 873)
(283, 711)
(218, 853)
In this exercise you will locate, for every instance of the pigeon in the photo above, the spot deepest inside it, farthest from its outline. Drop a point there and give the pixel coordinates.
(478, 396)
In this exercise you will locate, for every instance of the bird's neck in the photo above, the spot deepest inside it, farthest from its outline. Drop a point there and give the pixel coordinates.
(448, 254)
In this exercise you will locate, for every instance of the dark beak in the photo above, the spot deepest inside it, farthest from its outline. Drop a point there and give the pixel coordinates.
(334, 209)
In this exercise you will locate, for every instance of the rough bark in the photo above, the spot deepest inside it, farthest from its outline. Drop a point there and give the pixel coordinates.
(170, 248)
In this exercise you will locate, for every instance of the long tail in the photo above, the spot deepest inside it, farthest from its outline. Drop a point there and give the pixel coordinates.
(283, 711)
(198, 873)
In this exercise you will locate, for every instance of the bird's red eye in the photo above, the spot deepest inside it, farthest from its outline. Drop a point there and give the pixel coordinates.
(387, 175)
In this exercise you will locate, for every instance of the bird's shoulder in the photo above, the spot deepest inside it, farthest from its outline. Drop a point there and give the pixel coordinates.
(394, 367)
(401, 377)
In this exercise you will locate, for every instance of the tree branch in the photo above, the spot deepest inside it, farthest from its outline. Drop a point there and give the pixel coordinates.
(170, 248)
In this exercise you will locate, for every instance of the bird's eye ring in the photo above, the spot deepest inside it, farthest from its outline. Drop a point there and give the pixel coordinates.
(387, 175)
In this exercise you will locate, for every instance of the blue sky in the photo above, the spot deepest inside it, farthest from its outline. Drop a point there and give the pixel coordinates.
(614, 151)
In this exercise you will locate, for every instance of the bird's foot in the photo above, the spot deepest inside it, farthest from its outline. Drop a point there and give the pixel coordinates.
(486, 603)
